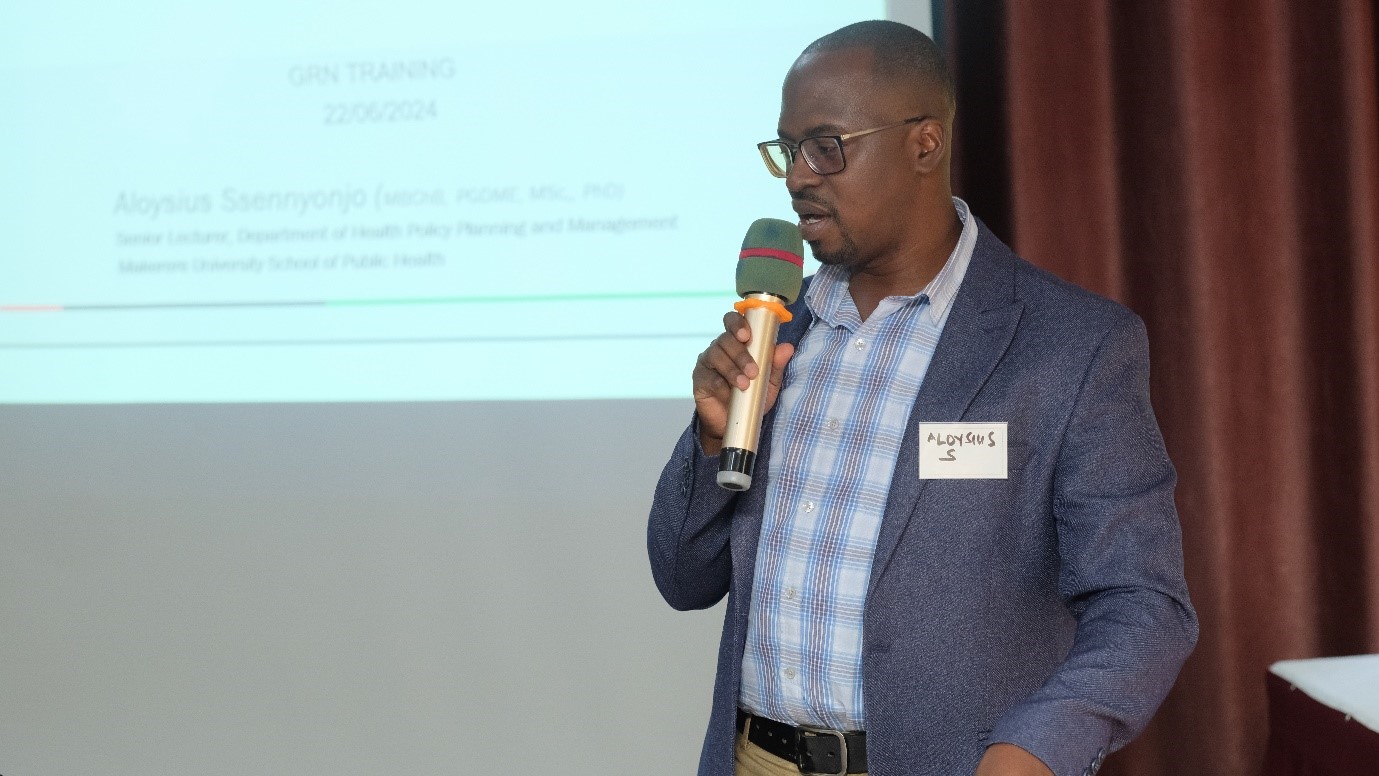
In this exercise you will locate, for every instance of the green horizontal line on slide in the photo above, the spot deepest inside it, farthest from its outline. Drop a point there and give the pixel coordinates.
(457, 340)
(384, 302)
(523, 298)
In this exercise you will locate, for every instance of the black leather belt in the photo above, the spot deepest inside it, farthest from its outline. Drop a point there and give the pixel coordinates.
(814, 752)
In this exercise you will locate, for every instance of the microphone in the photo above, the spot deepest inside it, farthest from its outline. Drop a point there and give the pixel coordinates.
(770, 270)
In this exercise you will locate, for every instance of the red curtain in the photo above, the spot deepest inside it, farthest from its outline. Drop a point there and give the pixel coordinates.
(1214, 165)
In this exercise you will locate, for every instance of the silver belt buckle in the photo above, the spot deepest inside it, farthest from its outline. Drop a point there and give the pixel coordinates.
(842, 748)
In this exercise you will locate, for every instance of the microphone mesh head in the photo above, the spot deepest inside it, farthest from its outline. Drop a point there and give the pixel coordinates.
(772, 260)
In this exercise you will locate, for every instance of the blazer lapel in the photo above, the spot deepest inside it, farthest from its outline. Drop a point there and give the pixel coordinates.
(975, 337)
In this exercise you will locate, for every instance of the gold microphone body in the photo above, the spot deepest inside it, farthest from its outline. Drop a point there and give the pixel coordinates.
(746, 407)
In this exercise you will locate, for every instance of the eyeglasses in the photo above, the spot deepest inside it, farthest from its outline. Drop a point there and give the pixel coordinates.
(823, 153)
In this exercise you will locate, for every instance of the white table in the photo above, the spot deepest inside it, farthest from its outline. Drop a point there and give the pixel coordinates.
(1324, 717)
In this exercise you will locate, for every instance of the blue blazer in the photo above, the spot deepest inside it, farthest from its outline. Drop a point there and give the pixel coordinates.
(1047, 610)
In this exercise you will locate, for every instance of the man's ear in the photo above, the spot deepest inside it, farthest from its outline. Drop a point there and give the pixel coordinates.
(927, 144)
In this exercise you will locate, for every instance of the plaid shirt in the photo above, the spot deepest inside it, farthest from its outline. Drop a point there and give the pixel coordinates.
(847, 398)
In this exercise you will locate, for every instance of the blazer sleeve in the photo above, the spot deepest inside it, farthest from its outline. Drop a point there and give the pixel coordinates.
(1121, 569)
(689, 528)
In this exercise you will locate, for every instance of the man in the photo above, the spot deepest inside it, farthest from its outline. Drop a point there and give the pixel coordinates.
(1029, 622)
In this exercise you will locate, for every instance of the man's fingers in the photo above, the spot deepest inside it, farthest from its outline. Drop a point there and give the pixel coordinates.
(729, 358)
(708, 383)
(725, 361)
(779, 358)
(736, 325)
(784, 351)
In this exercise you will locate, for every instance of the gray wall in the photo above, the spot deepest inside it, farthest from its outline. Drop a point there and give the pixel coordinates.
(345, 589)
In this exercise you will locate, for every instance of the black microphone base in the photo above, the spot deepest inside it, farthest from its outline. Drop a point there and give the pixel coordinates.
(735, 468)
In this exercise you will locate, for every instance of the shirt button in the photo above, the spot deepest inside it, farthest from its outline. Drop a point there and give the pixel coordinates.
(789, 593)
(861, 344)
(789, 673)
(831, 425)
(809, 506)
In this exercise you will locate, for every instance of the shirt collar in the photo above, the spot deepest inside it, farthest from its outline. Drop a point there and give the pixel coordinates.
(827, 297)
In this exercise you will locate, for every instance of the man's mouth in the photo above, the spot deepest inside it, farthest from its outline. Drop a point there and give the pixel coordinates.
(813, 218)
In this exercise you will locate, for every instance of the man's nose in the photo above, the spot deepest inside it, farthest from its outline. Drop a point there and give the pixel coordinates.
(800, 176)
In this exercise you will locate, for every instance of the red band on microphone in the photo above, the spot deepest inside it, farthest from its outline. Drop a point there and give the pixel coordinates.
(772, 253)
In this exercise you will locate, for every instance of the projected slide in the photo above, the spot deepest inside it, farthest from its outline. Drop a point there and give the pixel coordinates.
(523, 200)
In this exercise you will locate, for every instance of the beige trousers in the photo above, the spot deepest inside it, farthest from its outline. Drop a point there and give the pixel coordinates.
(752, 760)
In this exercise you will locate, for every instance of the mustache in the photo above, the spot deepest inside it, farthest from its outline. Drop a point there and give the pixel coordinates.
(811, 198)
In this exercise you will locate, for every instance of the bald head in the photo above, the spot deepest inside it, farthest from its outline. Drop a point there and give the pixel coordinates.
(902, 56)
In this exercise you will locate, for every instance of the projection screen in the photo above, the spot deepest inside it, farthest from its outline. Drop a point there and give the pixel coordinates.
(340, 348)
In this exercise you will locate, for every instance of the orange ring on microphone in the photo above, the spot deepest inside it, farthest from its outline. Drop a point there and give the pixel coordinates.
(775, 307)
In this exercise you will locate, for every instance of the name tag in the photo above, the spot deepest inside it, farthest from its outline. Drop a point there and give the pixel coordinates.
(962, 451)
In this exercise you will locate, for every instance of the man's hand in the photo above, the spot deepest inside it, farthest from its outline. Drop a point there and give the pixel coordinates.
(726, 365)
(1010, 760)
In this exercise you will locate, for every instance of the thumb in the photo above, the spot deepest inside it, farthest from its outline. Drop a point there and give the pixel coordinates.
(782, 355)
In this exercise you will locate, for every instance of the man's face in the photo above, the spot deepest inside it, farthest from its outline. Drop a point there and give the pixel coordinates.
(850, 218)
